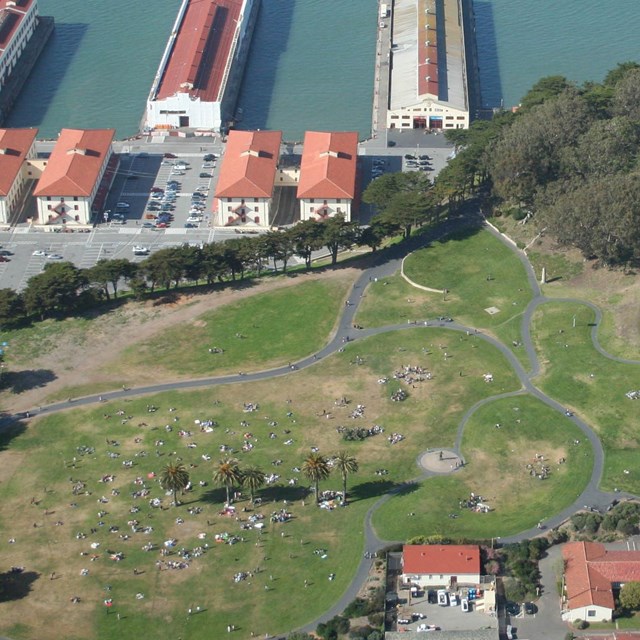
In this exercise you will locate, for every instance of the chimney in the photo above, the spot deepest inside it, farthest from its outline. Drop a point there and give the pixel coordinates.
(78, 150)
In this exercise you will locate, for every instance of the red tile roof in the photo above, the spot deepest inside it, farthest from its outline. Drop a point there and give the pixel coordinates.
(249, 164)
(455, 559)
(14, 147)
(75, 163)
(11, 14)
(590, 571)
(427, 53)
(201, 50)
(328, 168)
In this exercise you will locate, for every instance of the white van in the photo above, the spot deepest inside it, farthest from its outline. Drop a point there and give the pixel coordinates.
(464, 605)
(453, 599)
(443, 599)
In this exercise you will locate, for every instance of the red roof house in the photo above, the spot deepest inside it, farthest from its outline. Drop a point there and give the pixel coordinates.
(433, 564)
(15, 146)
(247, 177)
(73, 178)
(591, 574)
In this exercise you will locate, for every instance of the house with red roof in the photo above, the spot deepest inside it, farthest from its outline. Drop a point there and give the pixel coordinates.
(328, 172)
(16, 147)
(76, 177)
(245, 186)
(18, 21)
(592, 577)
(199, 76)
(438, 565)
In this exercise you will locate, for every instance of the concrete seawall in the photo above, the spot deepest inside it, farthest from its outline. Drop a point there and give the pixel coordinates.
(27, 62)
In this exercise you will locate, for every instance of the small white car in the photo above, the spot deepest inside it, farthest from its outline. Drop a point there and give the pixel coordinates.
(140, 251)
(194, 219)
(39, 252)
(122, 205)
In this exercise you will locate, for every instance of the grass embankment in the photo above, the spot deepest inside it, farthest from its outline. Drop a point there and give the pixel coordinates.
(502, 466)
(593, 385)
(478, 271)
(259, 332)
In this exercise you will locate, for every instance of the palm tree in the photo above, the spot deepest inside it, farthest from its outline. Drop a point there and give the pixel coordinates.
(174, 478)
(345, 463)
(316, 468)
(253, 479)
(227, 474)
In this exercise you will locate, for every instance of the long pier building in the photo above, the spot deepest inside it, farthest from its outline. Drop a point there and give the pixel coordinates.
(199, 76)
(428, 84)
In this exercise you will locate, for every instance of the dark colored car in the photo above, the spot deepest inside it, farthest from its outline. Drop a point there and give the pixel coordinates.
(530, 608)
(170, 155)
(157, 190)
(205, 175)
(432, 597)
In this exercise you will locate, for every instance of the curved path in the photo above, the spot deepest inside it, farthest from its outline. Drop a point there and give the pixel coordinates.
(384, 265)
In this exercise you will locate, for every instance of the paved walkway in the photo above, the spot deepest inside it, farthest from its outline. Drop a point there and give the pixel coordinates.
(384, 265)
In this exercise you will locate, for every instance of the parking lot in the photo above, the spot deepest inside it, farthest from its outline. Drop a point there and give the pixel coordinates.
(420, 612)
(168, 190)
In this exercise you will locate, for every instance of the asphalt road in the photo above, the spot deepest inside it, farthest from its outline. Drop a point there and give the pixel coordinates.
(384, 265)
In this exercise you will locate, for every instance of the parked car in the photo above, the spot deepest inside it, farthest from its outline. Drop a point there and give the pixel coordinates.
(194, 219)
(148, 225)
(140, 251)
(39, 252)
(210, 157)
(157, 190)
(170, 155)
(123, 205)
(530, 608)
(54, 256)
(205, 175)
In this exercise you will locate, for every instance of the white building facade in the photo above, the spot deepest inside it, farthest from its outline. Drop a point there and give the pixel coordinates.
(18, 21)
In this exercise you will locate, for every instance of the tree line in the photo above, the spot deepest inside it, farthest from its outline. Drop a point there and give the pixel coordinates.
(63, 289)
(566, 162)
(229, 474)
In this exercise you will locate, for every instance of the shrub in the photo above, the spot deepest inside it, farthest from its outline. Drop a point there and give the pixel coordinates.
(376, 619)
(580, 624)
(360, 633)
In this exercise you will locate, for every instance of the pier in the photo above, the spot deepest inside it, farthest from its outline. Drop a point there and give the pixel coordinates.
(28, 59)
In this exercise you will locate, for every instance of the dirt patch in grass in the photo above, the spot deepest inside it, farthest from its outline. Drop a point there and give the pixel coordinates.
(81, 359)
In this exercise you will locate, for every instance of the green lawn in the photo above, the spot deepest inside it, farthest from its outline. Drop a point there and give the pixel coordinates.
(39, 464)
(264, 330)
(499, 463)
(594, 386)
(462, 264)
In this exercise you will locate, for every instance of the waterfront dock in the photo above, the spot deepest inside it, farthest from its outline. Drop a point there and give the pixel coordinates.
(28, 59)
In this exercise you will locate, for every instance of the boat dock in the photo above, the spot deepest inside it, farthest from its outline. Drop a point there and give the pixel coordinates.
(28, 59)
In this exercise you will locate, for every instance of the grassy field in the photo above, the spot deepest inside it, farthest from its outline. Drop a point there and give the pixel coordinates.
(575, 374)
(261, 331)
(479, 272)
(39, 465)
(499, 466)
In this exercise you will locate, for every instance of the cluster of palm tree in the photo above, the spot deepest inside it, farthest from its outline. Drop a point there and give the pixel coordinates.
(229, 474)
(318, 467)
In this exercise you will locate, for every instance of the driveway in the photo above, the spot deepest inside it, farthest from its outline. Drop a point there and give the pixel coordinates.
(546, 624)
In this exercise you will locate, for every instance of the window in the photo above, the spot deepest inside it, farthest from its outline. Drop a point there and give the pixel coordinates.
(311, 200)
(228, 208)
(75, 198)
(441, 576)
(255, 199)
(591, 613)
(75, 207)
(311, 209)
(338, 200)
(256, 209)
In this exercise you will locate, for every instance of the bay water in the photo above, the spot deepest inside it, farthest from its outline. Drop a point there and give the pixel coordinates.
(311, 64)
